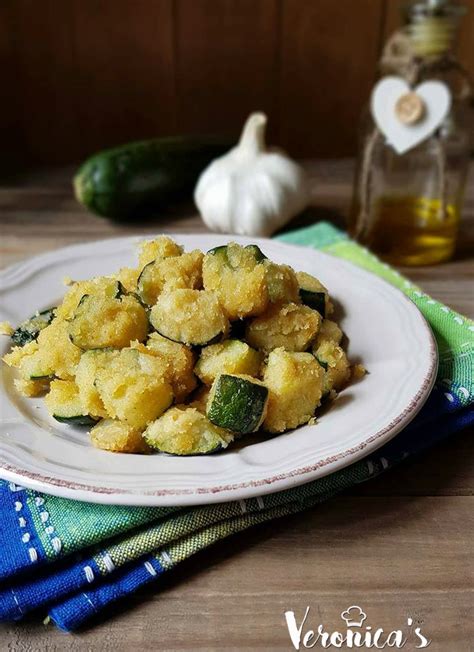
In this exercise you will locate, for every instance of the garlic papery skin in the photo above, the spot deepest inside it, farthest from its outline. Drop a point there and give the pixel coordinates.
(251, 190)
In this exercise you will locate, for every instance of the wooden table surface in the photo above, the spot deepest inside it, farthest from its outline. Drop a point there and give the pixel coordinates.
(399, 545)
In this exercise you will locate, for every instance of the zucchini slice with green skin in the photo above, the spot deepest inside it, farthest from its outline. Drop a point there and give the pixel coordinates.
(322, 363)
(334, 360)
(257, 252)
(222, 251)
(121, 291)
(190, 317)
(237, 403)
(232, 357)
(282, 283)
(86, 376)
(110, 289)
(184, 430)
(139, 177)
(77, 420)
(145, 281)
(29, 329)
(313, 293)
(314, 300)
(238, 277)
(103, 322)
(35, 368)
(64, 404)
(176, 272)
(136, 296)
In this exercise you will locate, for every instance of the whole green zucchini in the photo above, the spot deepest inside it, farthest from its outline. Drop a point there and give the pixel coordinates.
(136, 179)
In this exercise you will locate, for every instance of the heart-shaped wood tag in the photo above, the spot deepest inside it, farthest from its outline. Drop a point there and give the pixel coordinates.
(408, 116)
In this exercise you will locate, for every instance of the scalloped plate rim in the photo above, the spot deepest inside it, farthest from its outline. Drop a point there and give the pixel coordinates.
(268, 483)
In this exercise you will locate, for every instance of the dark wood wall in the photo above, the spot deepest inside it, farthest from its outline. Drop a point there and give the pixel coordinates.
(80, 75)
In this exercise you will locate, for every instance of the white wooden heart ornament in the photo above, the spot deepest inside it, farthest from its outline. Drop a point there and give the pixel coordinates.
(408, 116)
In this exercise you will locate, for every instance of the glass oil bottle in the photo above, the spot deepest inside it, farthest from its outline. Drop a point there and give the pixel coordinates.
(407, 207)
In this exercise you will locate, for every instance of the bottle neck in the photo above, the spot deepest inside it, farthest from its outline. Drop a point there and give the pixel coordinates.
(433, 36)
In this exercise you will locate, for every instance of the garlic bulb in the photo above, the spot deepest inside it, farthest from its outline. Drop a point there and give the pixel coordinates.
(251, 190)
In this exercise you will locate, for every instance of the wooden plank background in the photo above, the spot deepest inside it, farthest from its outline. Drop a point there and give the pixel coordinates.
(80, 75)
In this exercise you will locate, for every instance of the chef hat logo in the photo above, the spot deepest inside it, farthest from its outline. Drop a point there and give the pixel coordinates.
(354, 616)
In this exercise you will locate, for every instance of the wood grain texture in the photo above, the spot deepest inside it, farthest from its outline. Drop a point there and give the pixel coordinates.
(43, 90)
(328, 62)
(226, 58)
(125, 75)
(398, 545)
(87, 74)
(12, 137)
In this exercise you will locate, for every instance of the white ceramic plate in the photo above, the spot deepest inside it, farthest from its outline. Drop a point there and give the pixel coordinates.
(385, 330)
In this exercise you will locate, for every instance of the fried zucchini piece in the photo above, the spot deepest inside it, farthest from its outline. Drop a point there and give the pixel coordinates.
(21, 355)
(237, 403)
(64, 404)
(6, 328)
(56, 356)
(314, 294)
(101, 322)
(128, 277)
(157, 249)
(229, 357)
(333, 360)
(282, 283)
(86, 376)
(238, 277)
(29, 329)
(329, 332)
(118, 437)
(180, 360)
(358, 371)
(183, 430)
(295, 384)
(133, 387)
(38, 366)
(58, 350)
(18, 353)
(183, 271)
(100, 286)
(31, 388)
(291, 326)
(254, 249)
(189, 316)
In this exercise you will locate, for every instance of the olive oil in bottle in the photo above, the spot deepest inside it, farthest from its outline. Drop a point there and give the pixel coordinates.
(414, 230)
